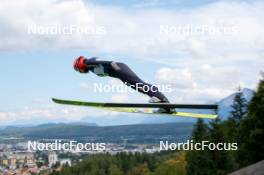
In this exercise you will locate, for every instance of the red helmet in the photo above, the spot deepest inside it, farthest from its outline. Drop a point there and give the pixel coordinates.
(79, 64)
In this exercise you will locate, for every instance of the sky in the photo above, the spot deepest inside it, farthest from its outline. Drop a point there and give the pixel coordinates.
(203, 49)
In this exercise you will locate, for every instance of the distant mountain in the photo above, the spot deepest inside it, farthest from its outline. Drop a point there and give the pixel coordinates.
(71, 124)
(143, 133)
(48, 125)
(166, 119)
(115, 119)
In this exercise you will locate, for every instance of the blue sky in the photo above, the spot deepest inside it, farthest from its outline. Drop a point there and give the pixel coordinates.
(201, 67)
(175, 4)
(155, 3)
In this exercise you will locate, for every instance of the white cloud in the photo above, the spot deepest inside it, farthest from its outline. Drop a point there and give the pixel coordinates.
(136, 32)
(3, 116)
(179, 78)
(129, 31)
(200, 84)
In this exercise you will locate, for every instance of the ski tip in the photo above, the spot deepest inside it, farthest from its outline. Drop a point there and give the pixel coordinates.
(55, 100)
(58, 101)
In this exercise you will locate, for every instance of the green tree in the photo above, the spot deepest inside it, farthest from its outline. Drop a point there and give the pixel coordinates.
(140, 170)
(223, 161)
(176, 165)
(114, 170)
(251, 131)
(198, 161)
(239, 108)
(200, 131)
(230, 126)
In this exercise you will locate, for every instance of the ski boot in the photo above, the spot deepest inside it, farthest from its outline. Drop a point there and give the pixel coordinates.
(161, 110)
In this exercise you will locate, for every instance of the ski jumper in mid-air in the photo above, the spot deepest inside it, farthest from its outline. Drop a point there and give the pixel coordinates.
(122, 72)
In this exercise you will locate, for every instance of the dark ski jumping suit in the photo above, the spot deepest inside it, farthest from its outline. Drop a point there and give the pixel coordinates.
(120, 71)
